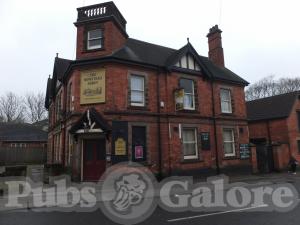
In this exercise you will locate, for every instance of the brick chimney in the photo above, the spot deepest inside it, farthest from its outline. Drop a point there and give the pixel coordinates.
(215, 50)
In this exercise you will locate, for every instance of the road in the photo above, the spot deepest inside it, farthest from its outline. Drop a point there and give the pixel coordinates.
(21, 217)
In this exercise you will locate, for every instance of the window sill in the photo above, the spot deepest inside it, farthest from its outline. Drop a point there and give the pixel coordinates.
(230, 157)
(227, 114)
(135, 107)
(187, 161)
(188, 111)
(93, 50)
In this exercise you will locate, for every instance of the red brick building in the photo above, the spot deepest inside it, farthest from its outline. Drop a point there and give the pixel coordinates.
(274, 126)
(123, 99)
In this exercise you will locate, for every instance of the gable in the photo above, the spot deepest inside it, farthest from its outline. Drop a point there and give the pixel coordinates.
(188, 61)
(90, 122)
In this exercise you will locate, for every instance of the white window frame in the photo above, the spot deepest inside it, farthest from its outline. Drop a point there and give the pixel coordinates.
(136, 90)
(229, 102)
(232, 142)
(190, 94)
(92, 39)
(195, 142)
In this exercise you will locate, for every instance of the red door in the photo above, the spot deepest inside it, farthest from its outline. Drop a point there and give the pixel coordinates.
(94, 157)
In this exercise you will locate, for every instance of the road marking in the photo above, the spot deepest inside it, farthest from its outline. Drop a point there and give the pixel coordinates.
(216, 213)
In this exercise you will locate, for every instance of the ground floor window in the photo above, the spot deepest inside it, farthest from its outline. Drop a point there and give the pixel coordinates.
(139, 144)
(228, 142)
(189, 141)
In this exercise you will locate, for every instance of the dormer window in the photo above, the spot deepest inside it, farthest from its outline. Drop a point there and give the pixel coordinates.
(94, 39)
(188, 62)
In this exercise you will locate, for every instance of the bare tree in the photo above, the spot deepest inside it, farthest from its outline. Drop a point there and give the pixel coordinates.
(11, 108)
(268, 86)
(35, 110)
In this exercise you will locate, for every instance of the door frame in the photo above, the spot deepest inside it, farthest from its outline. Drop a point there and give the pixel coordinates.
(81, 140)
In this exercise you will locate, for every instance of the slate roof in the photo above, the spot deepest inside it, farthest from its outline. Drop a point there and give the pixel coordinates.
(60, 67)
(275, 107)
(144, 52)
(22, 132)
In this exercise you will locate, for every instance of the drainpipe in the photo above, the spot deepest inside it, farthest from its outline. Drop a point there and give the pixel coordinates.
(159, 176)
(269, 133)
(215, 126)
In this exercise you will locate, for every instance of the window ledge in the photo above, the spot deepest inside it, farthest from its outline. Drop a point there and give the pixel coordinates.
(230, 157)
(135, 107)
(93, 50)
(188, 111)
(227, 114)
(186, 161)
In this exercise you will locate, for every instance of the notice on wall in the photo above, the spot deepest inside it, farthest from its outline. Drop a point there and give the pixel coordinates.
(92, 86)
(205, 140)
(179, 98)
(120, 147)
(119, 142)
(244, 151)
(138, 152)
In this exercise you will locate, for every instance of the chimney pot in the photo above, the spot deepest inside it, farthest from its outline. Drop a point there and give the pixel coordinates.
(215, 53)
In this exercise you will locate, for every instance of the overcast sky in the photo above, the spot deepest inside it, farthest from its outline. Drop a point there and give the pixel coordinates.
(260, 37)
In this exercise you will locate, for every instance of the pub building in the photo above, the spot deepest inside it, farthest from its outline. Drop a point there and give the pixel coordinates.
(123, 99)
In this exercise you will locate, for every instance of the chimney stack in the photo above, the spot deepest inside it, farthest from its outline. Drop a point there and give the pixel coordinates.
(215, 50)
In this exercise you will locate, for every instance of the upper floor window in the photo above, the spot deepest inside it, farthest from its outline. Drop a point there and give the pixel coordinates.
(189, 140)
(189, 95)
(94, 39)
(225, 101)
(228, 142)
(188, 62)
(137, 92)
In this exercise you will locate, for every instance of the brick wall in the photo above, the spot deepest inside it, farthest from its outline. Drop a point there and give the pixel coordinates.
(284, 132)
(113, 39)
(117, 107)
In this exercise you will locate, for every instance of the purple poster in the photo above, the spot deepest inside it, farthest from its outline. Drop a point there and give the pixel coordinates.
(139, 153)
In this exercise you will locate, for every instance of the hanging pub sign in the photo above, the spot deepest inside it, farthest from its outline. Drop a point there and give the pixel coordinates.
(92, 86)
(139, 152)
(244, 151)
(179, 98)
(205, 140)
(120, 146)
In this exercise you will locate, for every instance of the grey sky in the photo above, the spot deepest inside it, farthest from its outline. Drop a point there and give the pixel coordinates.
(260, 37)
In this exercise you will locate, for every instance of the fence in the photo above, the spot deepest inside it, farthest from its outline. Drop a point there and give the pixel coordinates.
(22, 156)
